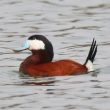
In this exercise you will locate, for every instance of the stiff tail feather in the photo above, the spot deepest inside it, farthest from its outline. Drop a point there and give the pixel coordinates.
(91, 56)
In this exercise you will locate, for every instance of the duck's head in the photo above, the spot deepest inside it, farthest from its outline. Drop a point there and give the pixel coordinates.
(37, 43)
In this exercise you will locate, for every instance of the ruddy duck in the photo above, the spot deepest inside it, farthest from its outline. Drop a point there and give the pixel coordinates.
(40, 63)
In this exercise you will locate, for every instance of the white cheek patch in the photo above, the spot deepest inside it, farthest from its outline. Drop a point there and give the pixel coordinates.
(36, 44)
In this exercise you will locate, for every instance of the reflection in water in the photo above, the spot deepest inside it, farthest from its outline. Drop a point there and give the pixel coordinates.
(47, 81)
(71, 26)
(38, 83)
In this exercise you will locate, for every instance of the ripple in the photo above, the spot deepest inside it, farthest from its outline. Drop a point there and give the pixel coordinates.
(99, 6)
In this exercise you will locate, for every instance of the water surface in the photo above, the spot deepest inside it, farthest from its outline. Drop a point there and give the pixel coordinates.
(70, 26)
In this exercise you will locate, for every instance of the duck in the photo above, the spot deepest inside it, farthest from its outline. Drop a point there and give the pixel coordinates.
(40, 63)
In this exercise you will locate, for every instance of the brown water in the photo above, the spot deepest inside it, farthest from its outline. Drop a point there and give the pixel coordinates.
(70, 25)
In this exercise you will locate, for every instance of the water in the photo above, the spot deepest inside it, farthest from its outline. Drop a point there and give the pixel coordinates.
(70, 26)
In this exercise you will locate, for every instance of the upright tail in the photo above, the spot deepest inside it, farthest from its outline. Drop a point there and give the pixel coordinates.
(90, 58)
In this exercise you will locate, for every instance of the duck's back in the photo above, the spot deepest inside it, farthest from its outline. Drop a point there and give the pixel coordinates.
(58, 68)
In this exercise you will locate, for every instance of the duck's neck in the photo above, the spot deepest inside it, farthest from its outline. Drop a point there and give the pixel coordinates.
(41, 56)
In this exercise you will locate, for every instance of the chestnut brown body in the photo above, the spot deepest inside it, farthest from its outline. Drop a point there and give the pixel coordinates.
(57, 68)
